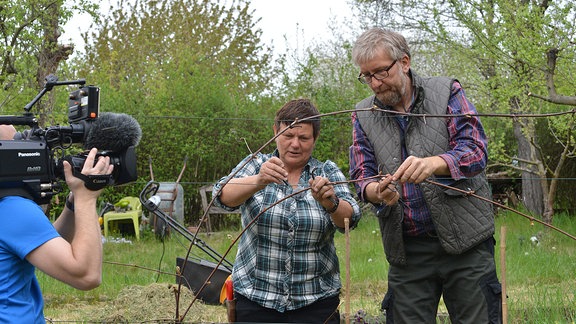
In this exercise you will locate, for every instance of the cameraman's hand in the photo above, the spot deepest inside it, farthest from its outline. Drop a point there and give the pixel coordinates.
(101, 167)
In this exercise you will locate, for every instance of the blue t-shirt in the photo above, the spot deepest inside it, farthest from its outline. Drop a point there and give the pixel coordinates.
(24, 228)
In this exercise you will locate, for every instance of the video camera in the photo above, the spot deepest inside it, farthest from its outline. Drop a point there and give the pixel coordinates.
(31, 163)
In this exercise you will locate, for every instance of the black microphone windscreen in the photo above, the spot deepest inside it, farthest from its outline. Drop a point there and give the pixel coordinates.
(113, 132)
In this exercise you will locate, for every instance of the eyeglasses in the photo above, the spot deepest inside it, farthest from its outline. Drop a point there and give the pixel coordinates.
(378, 75)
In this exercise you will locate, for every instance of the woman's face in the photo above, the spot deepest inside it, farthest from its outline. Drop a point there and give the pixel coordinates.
(295, 145)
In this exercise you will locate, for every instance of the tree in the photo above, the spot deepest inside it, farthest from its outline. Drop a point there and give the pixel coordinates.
(192, 73)
(323, 71)
(30, 50)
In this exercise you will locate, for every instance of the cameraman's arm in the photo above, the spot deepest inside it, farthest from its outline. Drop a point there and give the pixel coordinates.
(76, 257)
(64, 224)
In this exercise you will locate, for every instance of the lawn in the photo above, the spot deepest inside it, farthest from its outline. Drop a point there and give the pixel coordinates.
(138, 277)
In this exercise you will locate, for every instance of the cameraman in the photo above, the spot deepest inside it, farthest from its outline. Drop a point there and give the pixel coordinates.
(69, 250)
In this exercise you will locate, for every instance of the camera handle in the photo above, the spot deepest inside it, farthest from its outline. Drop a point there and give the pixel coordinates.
(94, 181)
(51, 81)
(27, 120)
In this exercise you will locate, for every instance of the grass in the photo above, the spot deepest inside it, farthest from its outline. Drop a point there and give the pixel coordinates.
(539, 276)
(540, 279)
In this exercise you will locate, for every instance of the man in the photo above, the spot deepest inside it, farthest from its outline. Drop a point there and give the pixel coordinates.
(69, 250)
(438, 242)
(286, 268)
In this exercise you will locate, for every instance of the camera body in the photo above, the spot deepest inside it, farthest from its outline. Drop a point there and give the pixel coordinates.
(32, 162)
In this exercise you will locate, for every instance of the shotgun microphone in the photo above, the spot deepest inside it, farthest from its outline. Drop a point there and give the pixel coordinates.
(113, 132)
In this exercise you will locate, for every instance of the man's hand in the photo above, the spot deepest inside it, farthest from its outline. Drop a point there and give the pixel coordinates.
(101, 167)
(385, 191)
(416, 170)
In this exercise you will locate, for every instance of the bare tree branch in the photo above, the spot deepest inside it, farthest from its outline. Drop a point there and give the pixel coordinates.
(553, 97)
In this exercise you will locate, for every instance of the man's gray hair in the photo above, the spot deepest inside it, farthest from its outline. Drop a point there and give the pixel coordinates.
(374, 40)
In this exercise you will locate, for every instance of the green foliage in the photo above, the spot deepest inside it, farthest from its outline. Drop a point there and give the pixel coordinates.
(194, 74)
(20, 30)
(28, 51)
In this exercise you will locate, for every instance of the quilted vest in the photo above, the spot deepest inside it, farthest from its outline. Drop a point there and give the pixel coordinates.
(461, 221)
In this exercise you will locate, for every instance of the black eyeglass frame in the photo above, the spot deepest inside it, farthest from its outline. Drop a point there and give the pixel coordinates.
(367, 79)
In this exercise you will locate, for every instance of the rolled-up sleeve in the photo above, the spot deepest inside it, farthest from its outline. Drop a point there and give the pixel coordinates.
(468, 155)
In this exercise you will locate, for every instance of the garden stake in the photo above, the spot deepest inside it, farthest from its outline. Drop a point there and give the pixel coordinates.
(503, 273)
(347, 237)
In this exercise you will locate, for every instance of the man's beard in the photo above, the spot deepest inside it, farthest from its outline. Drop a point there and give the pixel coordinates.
(391, 97)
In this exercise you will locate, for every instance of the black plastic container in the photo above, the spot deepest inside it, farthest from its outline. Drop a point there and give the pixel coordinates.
(195, 274)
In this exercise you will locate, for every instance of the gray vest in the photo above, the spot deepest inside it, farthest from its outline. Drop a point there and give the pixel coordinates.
(461, 221)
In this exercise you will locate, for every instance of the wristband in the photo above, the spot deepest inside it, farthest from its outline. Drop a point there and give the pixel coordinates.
(69, 204)
(336, 202)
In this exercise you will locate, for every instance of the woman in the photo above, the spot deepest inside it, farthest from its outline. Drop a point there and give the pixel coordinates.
(286, 268)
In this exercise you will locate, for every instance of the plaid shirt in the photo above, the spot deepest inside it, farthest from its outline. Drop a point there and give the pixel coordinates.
(287, 258)
(467, 157)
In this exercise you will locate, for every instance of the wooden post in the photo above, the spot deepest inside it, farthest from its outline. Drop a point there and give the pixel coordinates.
(503, 274)
(347, 284)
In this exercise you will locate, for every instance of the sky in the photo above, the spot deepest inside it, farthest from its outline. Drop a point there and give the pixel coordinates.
(300, 21)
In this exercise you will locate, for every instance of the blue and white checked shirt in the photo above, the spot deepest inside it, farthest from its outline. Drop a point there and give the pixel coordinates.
(287, 258)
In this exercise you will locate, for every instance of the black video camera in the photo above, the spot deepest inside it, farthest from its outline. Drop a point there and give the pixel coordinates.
(31, 163)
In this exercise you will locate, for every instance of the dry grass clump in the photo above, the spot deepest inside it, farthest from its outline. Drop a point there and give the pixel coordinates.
(155, 303)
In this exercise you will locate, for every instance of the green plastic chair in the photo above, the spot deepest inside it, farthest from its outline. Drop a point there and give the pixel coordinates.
(133, 212)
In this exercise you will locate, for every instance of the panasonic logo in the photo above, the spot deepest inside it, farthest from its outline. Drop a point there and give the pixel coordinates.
(32, 154)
